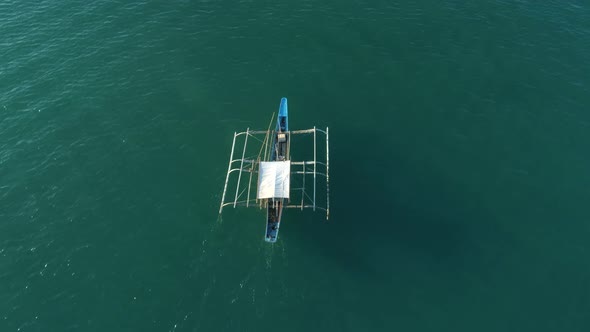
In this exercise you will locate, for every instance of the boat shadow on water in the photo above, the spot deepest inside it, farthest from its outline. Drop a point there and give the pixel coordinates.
(391, 216)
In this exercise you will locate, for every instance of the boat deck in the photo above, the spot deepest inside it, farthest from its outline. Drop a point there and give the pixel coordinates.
(273, 221)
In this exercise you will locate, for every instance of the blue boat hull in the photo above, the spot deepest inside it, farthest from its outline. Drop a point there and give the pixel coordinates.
(280, 151)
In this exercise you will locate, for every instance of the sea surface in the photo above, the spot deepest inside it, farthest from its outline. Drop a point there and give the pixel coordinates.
(459, 165)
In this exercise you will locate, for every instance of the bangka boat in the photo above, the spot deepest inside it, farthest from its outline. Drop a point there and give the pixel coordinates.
(274, 169)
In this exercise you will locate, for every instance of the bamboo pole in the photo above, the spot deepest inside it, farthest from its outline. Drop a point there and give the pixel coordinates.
(327, 177)
(266, 138)
(303, 188)
(249, 184)
(288, 146)
(231, 156)
(314, 165)
(241, 165)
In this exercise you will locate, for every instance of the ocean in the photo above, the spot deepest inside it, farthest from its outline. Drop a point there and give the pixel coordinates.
(459, 183)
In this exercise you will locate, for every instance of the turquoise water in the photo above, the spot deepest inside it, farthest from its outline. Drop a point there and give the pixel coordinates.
(459, 165)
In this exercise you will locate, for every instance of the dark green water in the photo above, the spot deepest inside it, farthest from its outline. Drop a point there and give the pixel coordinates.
(459, 165)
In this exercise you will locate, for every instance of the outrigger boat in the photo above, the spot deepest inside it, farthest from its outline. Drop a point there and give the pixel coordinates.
(274, 172)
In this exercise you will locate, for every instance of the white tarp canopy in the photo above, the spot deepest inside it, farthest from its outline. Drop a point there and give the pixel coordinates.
(273, 179)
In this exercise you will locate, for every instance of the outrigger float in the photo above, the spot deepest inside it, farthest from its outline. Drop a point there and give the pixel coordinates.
(274, 169)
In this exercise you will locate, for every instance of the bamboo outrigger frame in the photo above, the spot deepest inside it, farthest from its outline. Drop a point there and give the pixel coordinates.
(251, 166)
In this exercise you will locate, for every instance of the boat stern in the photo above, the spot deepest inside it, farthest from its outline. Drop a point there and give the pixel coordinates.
(273, 221)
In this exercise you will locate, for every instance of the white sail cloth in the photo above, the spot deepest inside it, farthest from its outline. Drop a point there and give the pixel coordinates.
(273, 179)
